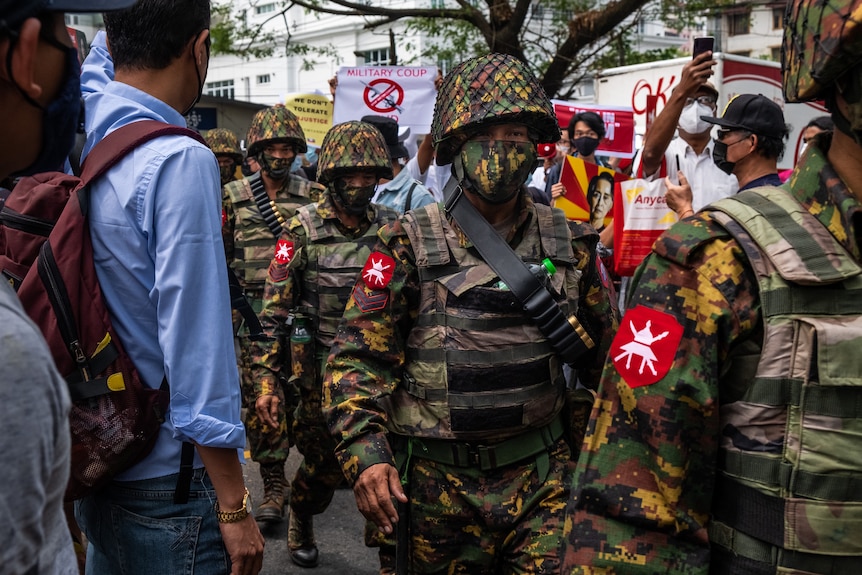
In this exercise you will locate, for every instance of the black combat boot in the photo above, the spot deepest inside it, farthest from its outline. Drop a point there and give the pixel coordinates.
(300, 540)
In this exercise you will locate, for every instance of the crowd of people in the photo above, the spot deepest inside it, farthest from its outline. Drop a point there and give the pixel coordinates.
(456, 352)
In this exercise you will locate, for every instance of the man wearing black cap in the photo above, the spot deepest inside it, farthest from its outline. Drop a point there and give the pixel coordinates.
(748, 145)
(403, 193)
(750, 140)
(39, 104)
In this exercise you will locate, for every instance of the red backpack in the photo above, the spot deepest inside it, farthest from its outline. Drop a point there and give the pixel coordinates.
(115, 418)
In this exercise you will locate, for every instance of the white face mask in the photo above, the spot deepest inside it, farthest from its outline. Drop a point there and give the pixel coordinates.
(689, 120)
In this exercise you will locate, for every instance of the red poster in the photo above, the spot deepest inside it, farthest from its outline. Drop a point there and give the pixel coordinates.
(619, 140)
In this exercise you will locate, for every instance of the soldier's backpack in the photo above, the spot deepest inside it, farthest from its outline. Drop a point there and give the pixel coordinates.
(115, 418)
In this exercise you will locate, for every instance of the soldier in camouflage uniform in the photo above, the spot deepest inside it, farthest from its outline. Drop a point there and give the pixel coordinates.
(439, 377)
(727, 430)
(256, 210)
(316, 263)
(225, 146)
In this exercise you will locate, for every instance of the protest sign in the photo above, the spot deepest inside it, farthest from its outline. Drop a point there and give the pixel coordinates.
(314, 112)
(589, 191)
(619, 140)
(404, 93)
(641, 215)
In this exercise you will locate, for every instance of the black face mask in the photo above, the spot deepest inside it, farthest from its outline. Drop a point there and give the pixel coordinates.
(200, 80)
(275, 168)
(719, 156)
(59, 119)
(585, 145)
(353, 199)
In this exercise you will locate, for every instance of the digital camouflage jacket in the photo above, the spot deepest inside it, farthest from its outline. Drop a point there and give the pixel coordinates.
(660, 433)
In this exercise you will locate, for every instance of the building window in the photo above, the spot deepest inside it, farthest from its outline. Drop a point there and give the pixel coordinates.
(222, 89)
(775, 53)
(264, 79)
(739, 23)
(72, 20)
(777, 18)
(378, 57)
(745, 53)
(265, 8)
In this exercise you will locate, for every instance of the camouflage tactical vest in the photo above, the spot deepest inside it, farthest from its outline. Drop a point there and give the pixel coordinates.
(334, 264)
(477, 367)
(253, 240)
(789, 489)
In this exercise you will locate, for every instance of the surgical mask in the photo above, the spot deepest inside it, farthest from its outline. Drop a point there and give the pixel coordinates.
(689, 120)
(353, 199)
(719, 156)
(585, 145)
(495, 171)
(59, 121)
(563, 149)
(275, 168)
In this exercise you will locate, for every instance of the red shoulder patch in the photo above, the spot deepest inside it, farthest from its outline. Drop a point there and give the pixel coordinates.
(645, 346)
(223, 217)
(283, 251)
(377, 272)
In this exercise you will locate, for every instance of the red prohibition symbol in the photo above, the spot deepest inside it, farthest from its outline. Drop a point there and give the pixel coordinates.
(383, 95)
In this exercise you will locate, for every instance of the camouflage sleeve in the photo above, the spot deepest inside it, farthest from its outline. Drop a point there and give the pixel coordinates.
(598, 311)
(280, 294)
(367, 358)
(644, 481)
(228, 222)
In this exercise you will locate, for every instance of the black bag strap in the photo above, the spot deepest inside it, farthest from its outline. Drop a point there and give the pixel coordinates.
(409, 202)
(273, 219)
(239, 302)
(566, 335)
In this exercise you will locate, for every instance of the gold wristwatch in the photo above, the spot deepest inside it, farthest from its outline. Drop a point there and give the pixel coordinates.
(234, 516)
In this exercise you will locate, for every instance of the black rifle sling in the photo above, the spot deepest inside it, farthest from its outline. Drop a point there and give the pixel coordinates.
(566, 335)
(273, 219)
(239, 302)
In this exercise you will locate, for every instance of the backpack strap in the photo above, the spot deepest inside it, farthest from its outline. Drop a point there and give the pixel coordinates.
(409, 202)
(119, 143)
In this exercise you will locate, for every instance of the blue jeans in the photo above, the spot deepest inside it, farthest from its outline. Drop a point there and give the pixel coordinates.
(135, 528)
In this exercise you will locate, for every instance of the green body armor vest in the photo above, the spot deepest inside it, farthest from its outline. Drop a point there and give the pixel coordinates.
(334, 264)
(254, 242)
(788, 495)
(477, 367)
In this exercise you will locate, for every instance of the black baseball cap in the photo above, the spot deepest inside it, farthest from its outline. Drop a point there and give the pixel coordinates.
(14, 12)
(753, 113)
(389, 128)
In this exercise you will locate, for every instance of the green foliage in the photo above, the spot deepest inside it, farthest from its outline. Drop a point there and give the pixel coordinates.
(621, 53)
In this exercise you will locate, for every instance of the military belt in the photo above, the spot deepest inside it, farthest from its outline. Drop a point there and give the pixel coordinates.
(486, 457)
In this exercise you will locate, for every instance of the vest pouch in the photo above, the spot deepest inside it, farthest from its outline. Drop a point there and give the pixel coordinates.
(576, 416)
(303, 365)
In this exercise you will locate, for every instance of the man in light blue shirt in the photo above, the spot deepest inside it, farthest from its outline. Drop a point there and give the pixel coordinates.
(156, 230)
(402, 193)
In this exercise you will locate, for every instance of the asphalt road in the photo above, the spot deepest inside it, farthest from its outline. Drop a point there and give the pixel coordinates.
(338, 532)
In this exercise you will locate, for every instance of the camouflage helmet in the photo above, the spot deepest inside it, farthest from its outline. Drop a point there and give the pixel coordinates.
(224, 141)
(496, 88)
(822, 41)
(350, 146)
(275, 124)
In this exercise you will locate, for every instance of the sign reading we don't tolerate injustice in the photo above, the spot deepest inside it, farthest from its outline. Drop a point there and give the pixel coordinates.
(314, 112)
(404, 93)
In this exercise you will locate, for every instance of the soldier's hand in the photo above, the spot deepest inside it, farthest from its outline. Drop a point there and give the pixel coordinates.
(267, 409)
(374, 490)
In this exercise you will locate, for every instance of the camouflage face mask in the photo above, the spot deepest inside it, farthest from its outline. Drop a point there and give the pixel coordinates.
(353, 199)
(275, 168)
(226, 173)
(496, 171)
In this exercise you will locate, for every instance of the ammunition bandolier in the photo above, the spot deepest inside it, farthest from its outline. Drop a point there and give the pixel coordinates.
(788, 493)
(254, 242)
(477, 367)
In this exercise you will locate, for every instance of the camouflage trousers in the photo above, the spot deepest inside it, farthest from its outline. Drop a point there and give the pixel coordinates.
(266, 444)
(503, 521)
(319, 474)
